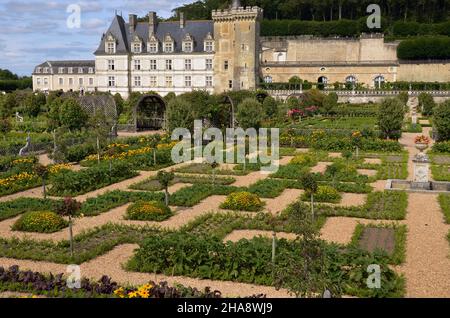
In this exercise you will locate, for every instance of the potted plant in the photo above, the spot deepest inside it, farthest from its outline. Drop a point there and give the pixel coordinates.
(422, 142)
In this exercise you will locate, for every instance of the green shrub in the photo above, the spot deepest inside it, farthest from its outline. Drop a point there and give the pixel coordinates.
(72, 183)
(390, 118)
(441, 121)
(249, 261)
(148, 211)
(304, 160)
(324, 194)
(250, 114)
(424, 48)
(40, 221)
(13, 208)
(72, 115)
(242, 201)
(426, 104)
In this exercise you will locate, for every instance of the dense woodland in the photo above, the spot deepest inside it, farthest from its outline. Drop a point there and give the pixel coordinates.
(424, 11)
(11, 82)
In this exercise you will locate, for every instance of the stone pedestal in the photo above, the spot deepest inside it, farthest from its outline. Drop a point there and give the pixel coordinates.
(421, 169)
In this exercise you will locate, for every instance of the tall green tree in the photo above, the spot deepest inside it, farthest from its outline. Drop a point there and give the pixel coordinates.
(390, 118)
(441, 121)
(72, 115)
(250, 114)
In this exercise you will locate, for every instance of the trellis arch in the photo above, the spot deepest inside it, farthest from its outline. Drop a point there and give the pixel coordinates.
(150, 113)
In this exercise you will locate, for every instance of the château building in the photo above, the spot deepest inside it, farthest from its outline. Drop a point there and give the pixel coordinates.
(227, 53)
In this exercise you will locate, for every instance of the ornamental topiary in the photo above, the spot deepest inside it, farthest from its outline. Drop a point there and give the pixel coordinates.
(243, 201)
(148, 211)
(324, 194)
(40, 221)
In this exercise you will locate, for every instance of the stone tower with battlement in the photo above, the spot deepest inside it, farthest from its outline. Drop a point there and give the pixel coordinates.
(236, 60)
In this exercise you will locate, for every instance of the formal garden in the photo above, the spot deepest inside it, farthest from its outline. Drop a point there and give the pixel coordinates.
(142, 226)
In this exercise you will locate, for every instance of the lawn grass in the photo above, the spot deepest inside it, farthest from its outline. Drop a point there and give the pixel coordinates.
(444, 202)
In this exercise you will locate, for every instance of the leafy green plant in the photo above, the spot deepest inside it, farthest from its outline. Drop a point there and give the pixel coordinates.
(40, 221)
(148, 211)
(444, 202)
(324, 194)
(165, 178)
(243, 201)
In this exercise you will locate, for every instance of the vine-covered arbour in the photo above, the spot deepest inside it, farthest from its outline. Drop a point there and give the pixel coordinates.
(150, 113)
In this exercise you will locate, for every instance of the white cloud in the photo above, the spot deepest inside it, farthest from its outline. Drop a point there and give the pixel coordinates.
(94, 23)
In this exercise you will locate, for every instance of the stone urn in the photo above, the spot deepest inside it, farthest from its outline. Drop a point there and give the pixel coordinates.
(421, 146)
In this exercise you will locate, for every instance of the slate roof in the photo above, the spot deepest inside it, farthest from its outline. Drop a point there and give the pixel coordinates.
(121, 31)
(55, 65)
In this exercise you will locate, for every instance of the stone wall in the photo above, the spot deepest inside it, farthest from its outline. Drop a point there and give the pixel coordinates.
(424, 72)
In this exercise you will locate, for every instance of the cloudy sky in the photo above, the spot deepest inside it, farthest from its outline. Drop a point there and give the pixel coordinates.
(33, 31)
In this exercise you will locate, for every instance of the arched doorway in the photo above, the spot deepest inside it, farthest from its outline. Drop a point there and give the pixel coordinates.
(322, 82)
(150, 113)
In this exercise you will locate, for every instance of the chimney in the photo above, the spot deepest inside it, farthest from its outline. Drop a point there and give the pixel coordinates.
(132, 22)
(182, 20)
(152, 21)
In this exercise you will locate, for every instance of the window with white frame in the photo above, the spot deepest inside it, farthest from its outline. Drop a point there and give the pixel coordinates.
(137, 47)
(187, 47)
(61, 81)
(71, 81)
(153, 82)
(38, 81)
(168, 65)
(153, 65)
(168, 47)
(91, 70)
(91, 81)
(268, 79)
(80, 70)
(39, 70)
(111, 81)
(209, 81)
(209, 64)
(45, 81)
(80, 81)
(137, 81)
(45, 70)
(110, 47)
(111, 65)
(70, 70)
(169, 81)
(137, 65)
(61, 70)
(209, 46)
(153, 47)
(188, 64)
(187, 81)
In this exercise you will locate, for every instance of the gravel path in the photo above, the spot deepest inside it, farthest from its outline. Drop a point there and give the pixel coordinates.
(427, 266)
(281, 202)
(253, 177)
(427, 249)
(367, 172)
(340, 229)
(45, 160)
(321, 167)
(111, 264)
(372, 161)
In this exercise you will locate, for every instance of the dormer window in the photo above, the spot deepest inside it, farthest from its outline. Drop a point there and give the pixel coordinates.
(70, 70)
(61, 70)
(80, 70)
(137, 45)
(38, 70)
(110, 44)
(188, 43)
(169, 44)
(91, 70)
(153, 44)
(45, 70)
(209, 43)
